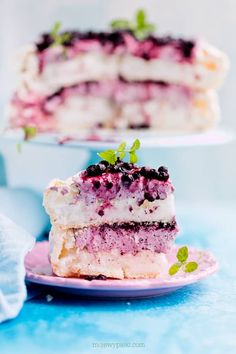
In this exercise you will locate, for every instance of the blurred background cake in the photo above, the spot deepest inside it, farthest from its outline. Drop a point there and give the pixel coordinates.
(38, 164)
(124, 78)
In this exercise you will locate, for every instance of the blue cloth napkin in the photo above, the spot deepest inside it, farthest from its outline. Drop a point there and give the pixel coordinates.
(15, 242)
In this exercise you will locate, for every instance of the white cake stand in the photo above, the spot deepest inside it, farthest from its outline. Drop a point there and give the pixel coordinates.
(95, 141)
(109, 139)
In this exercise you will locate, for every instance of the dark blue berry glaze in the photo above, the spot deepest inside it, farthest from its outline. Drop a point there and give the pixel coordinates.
(115, 39)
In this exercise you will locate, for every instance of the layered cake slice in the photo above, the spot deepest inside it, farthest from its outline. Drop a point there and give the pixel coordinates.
(73, 80)
(114, 218)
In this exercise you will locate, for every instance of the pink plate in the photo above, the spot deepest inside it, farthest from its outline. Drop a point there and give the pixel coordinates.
(38, 270)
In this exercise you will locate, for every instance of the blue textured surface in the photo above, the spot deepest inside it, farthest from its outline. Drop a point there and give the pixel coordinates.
(196, 319)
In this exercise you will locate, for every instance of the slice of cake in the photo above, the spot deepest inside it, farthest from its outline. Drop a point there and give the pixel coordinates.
(124, 78)
(116, 219)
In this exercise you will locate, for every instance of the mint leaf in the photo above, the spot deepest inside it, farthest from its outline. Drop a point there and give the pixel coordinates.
(120, 24)
(29, 132)
(191, 267)
(65, 37)
(140, 27)
(55, 29)
(174, 268)
(122, 146)
(58, 39)
(109, 156)
(135, 146)
(140, 18)
(133, 158)
(182, 254)
(18, 147)
(122, 155)
(149, 27)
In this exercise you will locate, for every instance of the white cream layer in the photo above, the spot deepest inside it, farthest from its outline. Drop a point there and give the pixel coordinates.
(67, 215)
(199, 112)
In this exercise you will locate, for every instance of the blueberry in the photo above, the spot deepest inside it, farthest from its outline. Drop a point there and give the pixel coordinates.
(96, 170)
(102, 166)
(97, 184)
(135, 175)
(127, 166)
(114, 169)
(161, 225)
(143, 172)
(108, 185)
(105, 163)
(126, 180)
(149, 197)
(149, 173)
(101, 212)
(152, 174)
(93, 170)
(163, 174)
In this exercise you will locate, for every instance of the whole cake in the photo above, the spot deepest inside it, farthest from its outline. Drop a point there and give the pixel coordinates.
(114, 219)
(125, 78)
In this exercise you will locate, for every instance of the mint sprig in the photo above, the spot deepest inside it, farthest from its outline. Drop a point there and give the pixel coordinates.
(140, 27)
(58, 39)
(29, 132)
(111, 156)
(182, 256)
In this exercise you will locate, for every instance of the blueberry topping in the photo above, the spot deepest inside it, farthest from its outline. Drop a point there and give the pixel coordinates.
(116, 38)
(93, 171)
(109, 185)
(101, 212)
(96, 170)
(102, 166)
(148, 197)
(97, 184)
(115, 169)
(143, 172)
(163, 174)
(149, 173)
(135, 175)
(127, 166)
(126, 179)
(105, 163)
(186, 48)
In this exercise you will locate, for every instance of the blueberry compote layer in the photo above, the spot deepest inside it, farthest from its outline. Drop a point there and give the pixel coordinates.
(123, 42)
(127, 237)
(123, 180)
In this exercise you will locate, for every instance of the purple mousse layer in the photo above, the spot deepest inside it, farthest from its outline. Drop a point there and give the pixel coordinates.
(119, 42)
(122, 180)
(127, 237)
